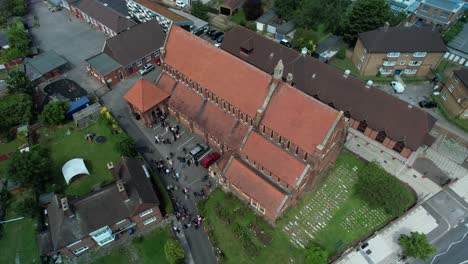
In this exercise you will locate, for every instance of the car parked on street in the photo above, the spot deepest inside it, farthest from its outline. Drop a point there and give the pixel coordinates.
(209, 159)
(158, 61)
(427, 104)
(199, 150)
(216, 35)
(147, 68)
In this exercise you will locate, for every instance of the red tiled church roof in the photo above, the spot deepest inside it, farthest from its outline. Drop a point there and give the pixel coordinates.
(166, 83)
(218, 123)
(274, 159)
(144, 95)
(299, 117)
(235, 81)
(185, 101)
(252, 184)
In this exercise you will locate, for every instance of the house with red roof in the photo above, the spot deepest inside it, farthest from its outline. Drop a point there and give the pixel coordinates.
(276, 140)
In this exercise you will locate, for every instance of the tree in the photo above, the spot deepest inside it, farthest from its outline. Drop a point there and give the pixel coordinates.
(305, 38)
(315, 12)
(379, 189)
(18, 39)
(365, 15)
(15, 110)
(54, 113)
(200, 10)
(126, 147)
(174, 252)
(31, 168)
(286, 9)
(316, 255)
(416, 245)
(26, 207)
(252, 9)
(19, 83)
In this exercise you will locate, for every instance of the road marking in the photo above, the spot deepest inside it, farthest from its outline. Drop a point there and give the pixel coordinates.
(440, 254)
(455, 200)
(164, 133)
(184, 143)
(449, 226)
(156, 127)
(464, 262)
(206, 153)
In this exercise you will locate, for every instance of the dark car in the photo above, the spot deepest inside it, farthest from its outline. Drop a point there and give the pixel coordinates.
(210, 32)
(220, 38)
(286, 43)
(427, 104)
(216, 35)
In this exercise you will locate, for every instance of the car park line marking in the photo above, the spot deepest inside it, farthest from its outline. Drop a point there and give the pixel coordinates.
(156, 127)
(206, 153)
(185, 143)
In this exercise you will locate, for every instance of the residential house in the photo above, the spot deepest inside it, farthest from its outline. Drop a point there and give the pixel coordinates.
(145, 10)
(76, 225)
(407, 6)
(439, 13)
(455, 94)
(230, 7)
(458, 48)
(135, 47)
(105, 69)
(276, 141)
(269, 22)
(387, 120)
(100, 15)
(411, 51)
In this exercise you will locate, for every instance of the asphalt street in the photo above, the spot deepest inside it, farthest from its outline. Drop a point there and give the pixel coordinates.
(453, 247)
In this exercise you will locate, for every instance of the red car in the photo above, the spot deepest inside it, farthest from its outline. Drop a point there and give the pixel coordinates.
(209, 159)
(158, 61)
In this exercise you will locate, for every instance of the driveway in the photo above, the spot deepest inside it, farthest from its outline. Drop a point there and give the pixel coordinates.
(190, 176)
(70, 37)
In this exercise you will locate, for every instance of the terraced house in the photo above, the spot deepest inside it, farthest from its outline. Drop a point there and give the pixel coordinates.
(455, 94)
(439, 13)
(398, 51)
(275, 140)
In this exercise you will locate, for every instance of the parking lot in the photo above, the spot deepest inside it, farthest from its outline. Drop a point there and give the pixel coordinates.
(70, 37)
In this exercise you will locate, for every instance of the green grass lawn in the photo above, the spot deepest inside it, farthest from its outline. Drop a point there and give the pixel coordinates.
(19, 238)
(96, 156)
(238, 17)
(445, 68)
(4, 73)
(322, 32)
(461, 123)
(273, 247)
(332, 216)
(149, 250)
(6, 148)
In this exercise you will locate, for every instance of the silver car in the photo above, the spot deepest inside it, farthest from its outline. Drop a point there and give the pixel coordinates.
(147, 68)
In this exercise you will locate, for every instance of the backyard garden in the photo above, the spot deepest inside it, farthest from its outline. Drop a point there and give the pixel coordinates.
(332, 217)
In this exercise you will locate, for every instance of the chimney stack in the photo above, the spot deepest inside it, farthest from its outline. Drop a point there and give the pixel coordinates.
(304, 51)
(65, 208)
(121, 189)
(386, 26)
(289, 79)
(279, 68)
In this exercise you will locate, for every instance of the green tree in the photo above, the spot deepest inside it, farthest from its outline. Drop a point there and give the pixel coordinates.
(416, 245)
(20, 83)
(174, 252)
(199, 10)
(305, 38)
(15, 110)
(18, 39)
(126, 147)
(316, 255)
(26, 207)
(286, 9)
(54, 113)
(341, 54)
(315, 12)
(252, 9)
(31, 168)
(365, 15)
(380, 189)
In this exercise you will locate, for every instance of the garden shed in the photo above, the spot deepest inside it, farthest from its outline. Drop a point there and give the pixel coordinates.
(87, 116)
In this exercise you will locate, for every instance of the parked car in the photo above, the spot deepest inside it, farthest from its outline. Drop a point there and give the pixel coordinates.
(199, 150)
(210, 32)
(217, 45)
(216, 35)
(147, 68)
(220, 38)
(427, 104)
(158, 61)
(286, 43)
(180, 4)
(397, 87)
(209, 159)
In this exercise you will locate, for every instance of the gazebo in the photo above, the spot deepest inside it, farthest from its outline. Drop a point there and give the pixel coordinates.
(72, 168)
(143, 99)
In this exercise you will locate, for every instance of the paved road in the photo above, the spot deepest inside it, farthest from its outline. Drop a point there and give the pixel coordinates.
(198, 241)
(453, 247)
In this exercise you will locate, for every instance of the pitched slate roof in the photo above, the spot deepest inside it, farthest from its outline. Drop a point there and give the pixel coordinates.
(402, 39)
(107, 16)
(381, 110)
(103, 63)
(298, 117)
(144, 95)
(251, 183)
(136, 43)
(449, 5)
(238, 83)
(277, 161)
(462, 75)
(47, 62)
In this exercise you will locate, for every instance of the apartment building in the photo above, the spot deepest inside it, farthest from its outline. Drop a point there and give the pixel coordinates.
(455, 94)
(439, 13)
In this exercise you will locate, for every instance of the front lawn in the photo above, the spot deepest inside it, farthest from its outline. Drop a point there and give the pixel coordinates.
(149, 250)
(4, 73)
(7, 147)
(18, 243)
(461, 123)
(231, 228)
(238, 17)
(96, 155)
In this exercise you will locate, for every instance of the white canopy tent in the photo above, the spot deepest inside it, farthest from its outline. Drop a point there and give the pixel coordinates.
(73, 168)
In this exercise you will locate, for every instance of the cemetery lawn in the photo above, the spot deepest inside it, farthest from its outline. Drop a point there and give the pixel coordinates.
(332, 216)
(65, 147)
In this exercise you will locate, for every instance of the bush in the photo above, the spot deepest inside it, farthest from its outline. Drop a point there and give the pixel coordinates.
(380, 189)
(316, 255)
(450, 34)
(27, 207)
(126, 147)
(174, 252)
(54, 113)
(15, 110)
(416, 245)
(341, 54)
